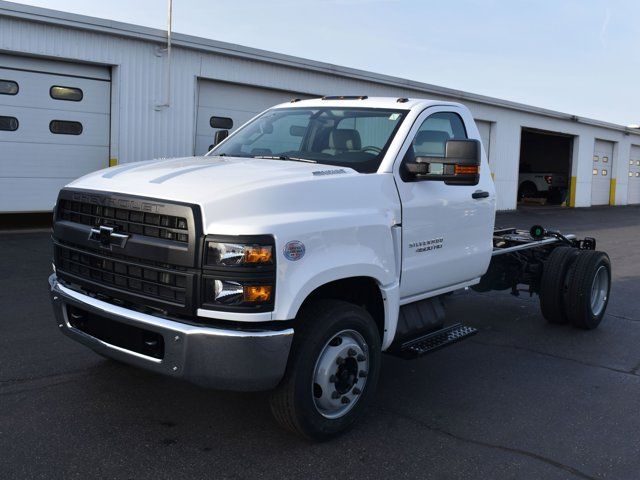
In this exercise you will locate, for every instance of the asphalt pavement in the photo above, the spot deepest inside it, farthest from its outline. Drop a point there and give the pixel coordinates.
(521, 399)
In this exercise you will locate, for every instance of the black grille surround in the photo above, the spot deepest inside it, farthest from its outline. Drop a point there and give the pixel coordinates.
(147, 270)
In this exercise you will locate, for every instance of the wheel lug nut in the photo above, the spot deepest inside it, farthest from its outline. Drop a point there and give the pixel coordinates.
(362, 374)
(356, 391)
(345, 400)
(361, 358)
(352, 352)
(335, 395)
(339, 360)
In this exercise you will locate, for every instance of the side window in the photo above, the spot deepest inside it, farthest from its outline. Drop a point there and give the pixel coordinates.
(8, 87)
(434, 132)
(70, 94)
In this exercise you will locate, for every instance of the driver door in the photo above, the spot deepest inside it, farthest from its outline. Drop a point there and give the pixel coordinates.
(446, 232)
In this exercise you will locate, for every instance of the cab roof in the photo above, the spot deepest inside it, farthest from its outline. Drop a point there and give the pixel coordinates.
(391, 103)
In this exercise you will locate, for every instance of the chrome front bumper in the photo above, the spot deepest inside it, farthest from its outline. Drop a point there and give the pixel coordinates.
(241, 360)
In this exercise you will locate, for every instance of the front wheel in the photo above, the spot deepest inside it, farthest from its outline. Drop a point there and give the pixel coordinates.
(332, 372)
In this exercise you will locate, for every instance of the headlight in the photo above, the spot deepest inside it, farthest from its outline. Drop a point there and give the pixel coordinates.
(239, 273)
(232, 254)
(235, 293)
(250, 294)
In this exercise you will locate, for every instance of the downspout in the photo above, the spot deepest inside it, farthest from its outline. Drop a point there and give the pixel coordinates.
(167, 80)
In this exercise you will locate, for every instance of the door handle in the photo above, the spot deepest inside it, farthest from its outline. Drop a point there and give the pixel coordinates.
(479, 194)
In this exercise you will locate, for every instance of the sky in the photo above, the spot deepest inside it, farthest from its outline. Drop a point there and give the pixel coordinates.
(575, 56)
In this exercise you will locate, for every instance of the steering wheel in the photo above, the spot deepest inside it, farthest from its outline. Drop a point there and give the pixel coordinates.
(372, 148)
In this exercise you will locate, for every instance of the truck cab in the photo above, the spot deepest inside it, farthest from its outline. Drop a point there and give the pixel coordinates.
(313, 238)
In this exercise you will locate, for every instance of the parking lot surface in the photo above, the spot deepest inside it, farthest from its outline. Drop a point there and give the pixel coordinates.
(522, 399)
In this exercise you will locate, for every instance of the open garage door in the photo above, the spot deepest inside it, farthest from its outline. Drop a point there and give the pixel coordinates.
(633, 195)
(545, 167)
(602, 170)
(235, 101)
(54, 128)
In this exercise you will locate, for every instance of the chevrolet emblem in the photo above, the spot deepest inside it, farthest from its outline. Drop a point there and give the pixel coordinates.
(106, 237)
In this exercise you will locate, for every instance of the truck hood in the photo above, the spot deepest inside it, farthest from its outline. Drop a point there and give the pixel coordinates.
(239, 195)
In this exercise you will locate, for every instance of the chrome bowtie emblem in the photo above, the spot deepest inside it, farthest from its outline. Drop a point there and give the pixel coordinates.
(106, 237)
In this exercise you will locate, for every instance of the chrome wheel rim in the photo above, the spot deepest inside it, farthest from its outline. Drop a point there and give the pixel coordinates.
(340, 374)
(599, 290)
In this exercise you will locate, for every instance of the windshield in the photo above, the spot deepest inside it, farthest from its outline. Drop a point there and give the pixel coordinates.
(348, 137)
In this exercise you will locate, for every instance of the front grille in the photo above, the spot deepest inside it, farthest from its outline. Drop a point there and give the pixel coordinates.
(124, 220)
(94, 270)
(154, 261)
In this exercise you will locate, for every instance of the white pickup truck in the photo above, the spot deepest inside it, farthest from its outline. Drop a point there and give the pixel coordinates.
(317, 236)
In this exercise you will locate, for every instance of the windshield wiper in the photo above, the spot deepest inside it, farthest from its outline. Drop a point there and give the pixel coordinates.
(285, 157)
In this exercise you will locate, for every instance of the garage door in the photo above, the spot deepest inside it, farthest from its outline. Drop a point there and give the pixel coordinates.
(54, 128)
(634, 175)
(238, 102)
(602, 170)
(485, 135)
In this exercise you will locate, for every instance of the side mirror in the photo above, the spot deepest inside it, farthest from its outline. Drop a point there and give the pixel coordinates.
(225, 123)
(459, 166)
(219, 136)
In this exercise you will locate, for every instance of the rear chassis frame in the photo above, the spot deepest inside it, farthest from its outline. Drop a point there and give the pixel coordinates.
(519, 256)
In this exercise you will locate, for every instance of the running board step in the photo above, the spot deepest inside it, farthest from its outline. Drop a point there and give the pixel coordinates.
(435, 340)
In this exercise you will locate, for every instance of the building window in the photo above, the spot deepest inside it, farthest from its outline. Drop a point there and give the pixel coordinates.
(638, 162)
(604, 173)
(631, 174)
(65, 127)
(8, 87)
(596, 158)
(605, 159)
(8, 124)
(595, 171)
(70, 94)
(637, 174)
(630, 162)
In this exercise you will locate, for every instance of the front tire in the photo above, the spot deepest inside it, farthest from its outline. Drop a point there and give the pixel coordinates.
(332, 372)
(527, 190)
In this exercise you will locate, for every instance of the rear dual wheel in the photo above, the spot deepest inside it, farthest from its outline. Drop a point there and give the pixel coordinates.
(575, 287)
(554, 283)
(588, 289)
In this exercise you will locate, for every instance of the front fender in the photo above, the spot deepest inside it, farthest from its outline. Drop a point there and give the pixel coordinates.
(338, 253)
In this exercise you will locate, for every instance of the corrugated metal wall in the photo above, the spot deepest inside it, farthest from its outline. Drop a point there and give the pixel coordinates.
(140, 132)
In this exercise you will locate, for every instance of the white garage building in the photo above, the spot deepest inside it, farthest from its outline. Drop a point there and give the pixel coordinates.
(79, 93)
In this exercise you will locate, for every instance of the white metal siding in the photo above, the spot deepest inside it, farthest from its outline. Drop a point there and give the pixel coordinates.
(34, 162)
(602, 172)
(236, 101)
(633, 193)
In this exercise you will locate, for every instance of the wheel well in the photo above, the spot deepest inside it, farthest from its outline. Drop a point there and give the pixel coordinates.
(361, 291)
(528, 183)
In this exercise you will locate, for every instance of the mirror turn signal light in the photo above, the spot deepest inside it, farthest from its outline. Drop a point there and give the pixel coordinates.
(466, 169)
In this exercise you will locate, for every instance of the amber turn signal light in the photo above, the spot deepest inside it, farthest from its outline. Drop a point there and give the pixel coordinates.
(257, 293)
(257, 254)
(466, 170)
